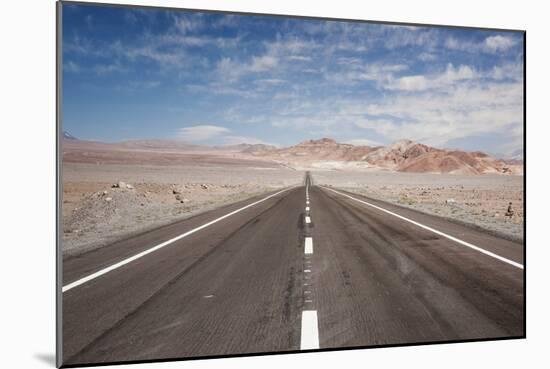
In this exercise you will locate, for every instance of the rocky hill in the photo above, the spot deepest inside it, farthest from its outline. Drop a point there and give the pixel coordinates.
(402, 156)
(323, 149)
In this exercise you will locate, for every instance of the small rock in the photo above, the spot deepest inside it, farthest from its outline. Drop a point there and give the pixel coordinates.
(105, 192)
(129, 186)
(120, 184)
(108, 199)
(510, 211)
(450, 201)
(178, 197)
(204, 187)
(176, 192)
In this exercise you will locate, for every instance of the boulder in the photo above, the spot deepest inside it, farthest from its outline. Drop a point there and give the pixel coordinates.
(120, 184)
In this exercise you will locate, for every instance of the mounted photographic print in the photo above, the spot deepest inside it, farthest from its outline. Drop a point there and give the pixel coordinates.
(236, 184)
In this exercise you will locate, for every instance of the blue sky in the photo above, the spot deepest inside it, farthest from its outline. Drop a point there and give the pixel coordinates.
(221, 79)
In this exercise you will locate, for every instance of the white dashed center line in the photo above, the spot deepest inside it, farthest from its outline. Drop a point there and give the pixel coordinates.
(310, 331)
(308, 249)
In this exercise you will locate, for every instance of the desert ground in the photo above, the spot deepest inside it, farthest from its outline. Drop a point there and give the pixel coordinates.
(96, 214)
(477, 200)
(114, 191)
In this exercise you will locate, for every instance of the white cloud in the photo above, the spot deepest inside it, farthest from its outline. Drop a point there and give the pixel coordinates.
(498, 43)
(507, 71)
(201, 133)
(71, 66)
(276, 58)
(221, 89)
(227, 20)
(426, 56)
(466, 108)
(447, 78)
(262, 63)
(299, 58)
(270, 81)
(382, 126)
(410, 83)
(197, 40)
(150, 51)
(464, 111)
(290, 46)
(354, 71)
(89, 21)
(363, 142)
(491, 44)
(235, 140)
(102, 69)
(230, 70)
(404, 36)
(215, 135)
(188, 23)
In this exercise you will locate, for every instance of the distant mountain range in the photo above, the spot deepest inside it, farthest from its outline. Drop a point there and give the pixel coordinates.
(68, 136)
(163, 144)
(401, 156)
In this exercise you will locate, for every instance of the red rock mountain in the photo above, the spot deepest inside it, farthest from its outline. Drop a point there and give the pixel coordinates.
(323, 149)
(402, 156)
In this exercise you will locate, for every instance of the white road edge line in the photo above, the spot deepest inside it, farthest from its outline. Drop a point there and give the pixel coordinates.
(463, 243)
(310, 331)
(308, 220)
(308, 249)
(159, 246)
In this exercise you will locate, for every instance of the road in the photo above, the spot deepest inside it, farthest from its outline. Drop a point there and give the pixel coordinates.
(308, 267)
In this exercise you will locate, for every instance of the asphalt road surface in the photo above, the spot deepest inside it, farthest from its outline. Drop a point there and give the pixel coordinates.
(305, 268)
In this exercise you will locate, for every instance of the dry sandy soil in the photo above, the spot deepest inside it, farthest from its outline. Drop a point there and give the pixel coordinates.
(479, 200)
(175, 181)
(96, 214)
